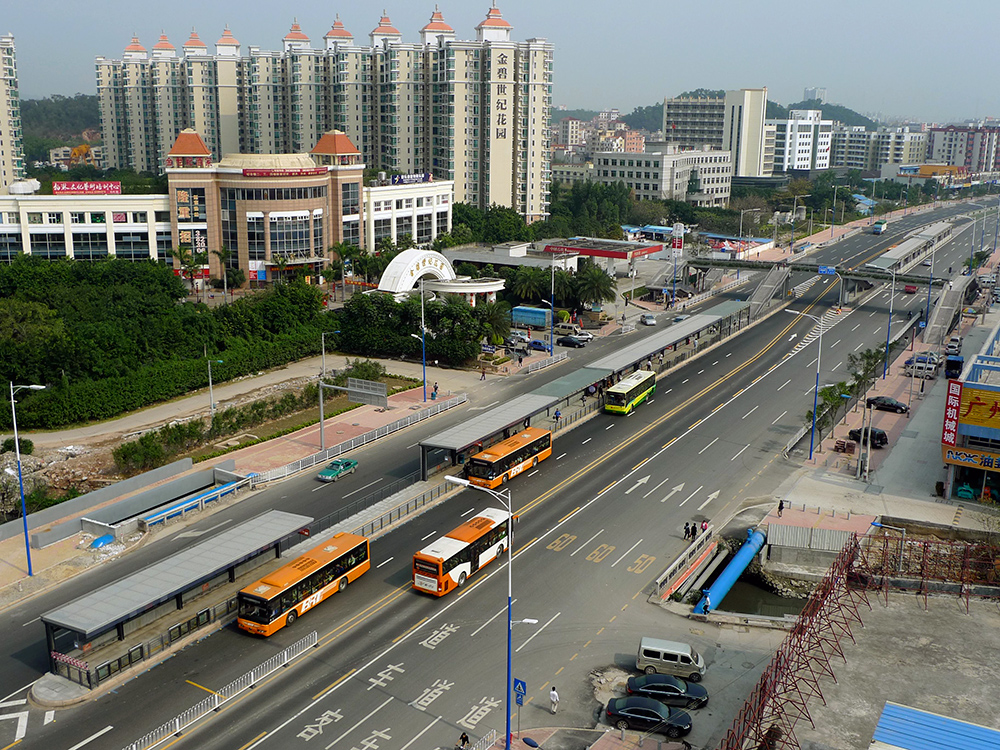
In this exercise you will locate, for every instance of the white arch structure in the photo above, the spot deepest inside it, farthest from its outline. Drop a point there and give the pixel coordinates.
(405, 271)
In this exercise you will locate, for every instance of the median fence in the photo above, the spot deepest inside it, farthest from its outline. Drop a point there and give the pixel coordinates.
(323, 456)
(213, 702)
(544, 362)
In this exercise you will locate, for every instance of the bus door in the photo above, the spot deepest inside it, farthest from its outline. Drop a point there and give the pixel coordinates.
(473, 560)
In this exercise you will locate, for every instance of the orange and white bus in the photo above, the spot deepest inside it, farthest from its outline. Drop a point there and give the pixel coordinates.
(508, 458)
(447, 563)
(281, 596)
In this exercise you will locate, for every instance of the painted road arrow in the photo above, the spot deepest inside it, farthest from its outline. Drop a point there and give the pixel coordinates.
(673, 492)
(637, 485)
(711, 497)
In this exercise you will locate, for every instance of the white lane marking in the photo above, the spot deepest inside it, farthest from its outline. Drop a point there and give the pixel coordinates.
(810, 390)
(8, 704)
(700, 372)
(518, 649)
(609, 426)
(31, 621)
(534, 472)
(629, 414)
(711, 497)
(876, 330)
(587, 542)
(420, 733)
(22, 725)
(94, 736)
(374, 711)
(317, 489)
(561, 455)
(674, 491)
(656, 488)
(856, 327)
(872, 313)
(708, 446)
(502, 611)
(741, 451)
(428, 536)
(813, 362)
(685, 380)
(23, 688)
(751, 411)
(49, 716)
(365, 487)
(480, 408)
(837, 365)
(384, 562)
(470, 510)
(859, 346)
(626, 552)
(713, 365)
(690, 496)
(836, 342)
(586, 441)
(668, 391)
(730, 354)
(412, 446)
(784, 384)
(779, 417)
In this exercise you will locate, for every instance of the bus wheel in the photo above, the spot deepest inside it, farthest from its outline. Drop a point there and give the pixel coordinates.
(500, 551)
(461, 580)
(343, 584)
(534, 462)
(503, 479)
(291, 618)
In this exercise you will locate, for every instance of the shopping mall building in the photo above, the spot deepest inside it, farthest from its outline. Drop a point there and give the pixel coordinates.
(274, 213)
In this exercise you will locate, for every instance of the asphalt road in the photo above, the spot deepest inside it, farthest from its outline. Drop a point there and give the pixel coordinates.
(600, 520)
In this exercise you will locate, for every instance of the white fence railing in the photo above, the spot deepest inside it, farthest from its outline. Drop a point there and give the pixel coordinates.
(318, 458)
(541, 364)
(234, 688)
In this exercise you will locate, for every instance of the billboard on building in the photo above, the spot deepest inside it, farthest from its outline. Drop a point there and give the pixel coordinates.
(978, 407)
(304, 172)
(86, 188)
(411, 179)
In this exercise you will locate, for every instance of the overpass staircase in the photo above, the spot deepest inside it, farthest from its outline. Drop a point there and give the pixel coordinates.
(763, 295)
(948, 307)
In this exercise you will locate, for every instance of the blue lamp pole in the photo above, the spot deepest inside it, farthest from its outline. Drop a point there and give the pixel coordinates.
(20, 477)
(819, 353)
(505, 498)
(930, 283)
(888, 329)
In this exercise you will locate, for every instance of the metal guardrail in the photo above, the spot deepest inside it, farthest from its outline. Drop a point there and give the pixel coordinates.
(195, 503)
(234, 688)
(317, 458)
(401, 511)
(546, 362)
(684, 560)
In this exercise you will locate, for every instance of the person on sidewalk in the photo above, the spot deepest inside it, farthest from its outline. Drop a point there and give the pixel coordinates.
(704, 525)
(435, 388)
(482, 373)
(554, 698)
(781, 506)
(694, 530)
(687, 530)
(558, 416)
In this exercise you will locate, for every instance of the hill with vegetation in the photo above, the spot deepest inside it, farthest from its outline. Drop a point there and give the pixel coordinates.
(57, 121)
(579, 114)
(834, 112)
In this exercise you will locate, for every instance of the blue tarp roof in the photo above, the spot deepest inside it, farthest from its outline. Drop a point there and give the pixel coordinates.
(912, 729)
(863, 199)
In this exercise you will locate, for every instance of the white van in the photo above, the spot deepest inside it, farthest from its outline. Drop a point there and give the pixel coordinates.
(918, 369)
(669, 657)
(567, 329)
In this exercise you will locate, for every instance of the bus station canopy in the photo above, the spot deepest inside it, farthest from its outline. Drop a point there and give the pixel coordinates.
(492, 422)
(103, 609)
(573, 383)
(643, 348)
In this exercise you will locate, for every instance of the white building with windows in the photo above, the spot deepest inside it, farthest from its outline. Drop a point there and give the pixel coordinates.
(698, 176)
(11, 138)
(802, 142)
(407, 204)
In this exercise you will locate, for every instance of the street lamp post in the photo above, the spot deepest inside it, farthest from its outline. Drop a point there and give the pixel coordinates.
(423, 339)
(505, 498)
(20, 477)
(211, 396)
(795, 200)
(819, 353)
(833, 215)
(888, 329)
(755, 210)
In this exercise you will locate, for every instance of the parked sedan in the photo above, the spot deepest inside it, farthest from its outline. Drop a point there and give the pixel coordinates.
(884, 403)
(573, 341)
(586, 336)
(636, 712)
(879, 438)
(338, 468)
(647, 319)
(538, 345)
(667, 689)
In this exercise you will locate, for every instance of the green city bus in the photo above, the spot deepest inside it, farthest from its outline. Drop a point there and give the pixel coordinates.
(624, 396)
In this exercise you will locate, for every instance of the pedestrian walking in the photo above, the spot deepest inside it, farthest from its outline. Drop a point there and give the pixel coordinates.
(482, 373)
(781, 506)
(694, 530)
(687, 530)
(623, 318)
(520, 359)
(554, 698)
(463, 741)
(704, 526)
(661, 359)
(558, 416)
(435, 388)
(583, 398)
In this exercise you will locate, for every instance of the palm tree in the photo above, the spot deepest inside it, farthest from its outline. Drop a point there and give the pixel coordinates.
(564, 286)
(185, 261)
(594, 286)
(530, 283)
(495, 318)
(281, 263)
(198, 261)
(224, 254)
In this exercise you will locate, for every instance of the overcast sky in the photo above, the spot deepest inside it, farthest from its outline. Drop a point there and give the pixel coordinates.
(921, 59)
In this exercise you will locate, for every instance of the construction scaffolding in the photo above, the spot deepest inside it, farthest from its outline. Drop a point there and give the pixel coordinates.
(876, 562)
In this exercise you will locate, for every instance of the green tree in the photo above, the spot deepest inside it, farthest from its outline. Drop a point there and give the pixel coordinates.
(495, 319)
(565, 289)
(530, 283)
(224, 254)
(502, 224)
(594, 286)
(186, 262)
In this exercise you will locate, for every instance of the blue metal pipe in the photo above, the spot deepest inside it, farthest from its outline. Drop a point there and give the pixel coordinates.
(715, 593)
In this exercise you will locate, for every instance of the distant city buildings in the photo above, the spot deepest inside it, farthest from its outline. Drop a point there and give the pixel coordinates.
(474, 112)
(815, 93)
(11, 137)
(977, 148)
(855, 147)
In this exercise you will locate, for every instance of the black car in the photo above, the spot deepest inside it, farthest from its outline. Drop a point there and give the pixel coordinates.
(636, 712)
(879, 438)
(884, 403)
(673, 691)
(572, 341)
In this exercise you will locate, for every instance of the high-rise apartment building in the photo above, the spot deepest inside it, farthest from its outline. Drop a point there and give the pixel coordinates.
(734, 122)
(11, 149)
(475, 111)
(975, 148)
(802, 142)
(854, 147)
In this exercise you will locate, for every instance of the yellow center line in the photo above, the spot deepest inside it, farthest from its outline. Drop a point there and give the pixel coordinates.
(410, 630)
(569, 514)
(558, 671)
(262, 734)
(640, 463)
(528, 544)
(15, 742)
(588, 642)
(207, 690)
(330, 687)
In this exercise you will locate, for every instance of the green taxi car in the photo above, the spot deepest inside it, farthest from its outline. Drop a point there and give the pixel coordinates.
(336, 469)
